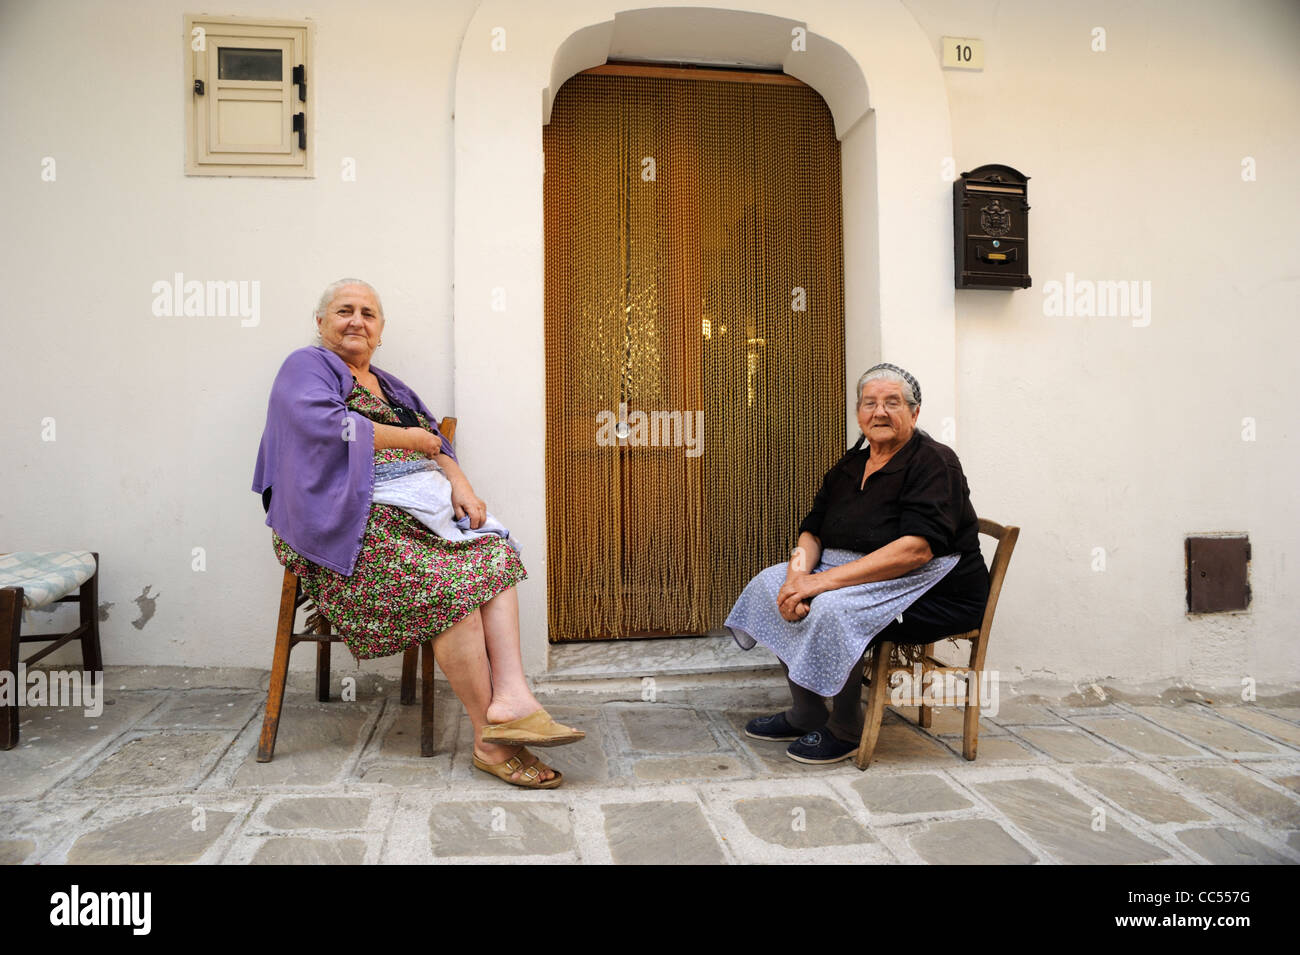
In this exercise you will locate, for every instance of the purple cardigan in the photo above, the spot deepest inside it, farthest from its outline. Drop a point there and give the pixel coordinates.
(321, 468)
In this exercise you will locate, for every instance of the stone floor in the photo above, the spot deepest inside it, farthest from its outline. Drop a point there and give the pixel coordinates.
(167, 774)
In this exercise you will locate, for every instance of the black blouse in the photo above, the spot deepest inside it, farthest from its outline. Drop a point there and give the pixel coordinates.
(921, 491)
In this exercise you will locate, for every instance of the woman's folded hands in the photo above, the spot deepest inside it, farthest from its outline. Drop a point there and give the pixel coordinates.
(793, 598)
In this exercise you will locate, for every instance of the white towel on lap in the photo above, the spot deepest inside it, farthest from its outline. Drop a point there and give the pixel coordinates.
(426, 496)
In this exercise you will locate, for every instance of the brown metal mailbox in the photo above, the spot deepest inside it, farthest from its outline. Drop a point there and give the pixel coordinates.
(990, 215)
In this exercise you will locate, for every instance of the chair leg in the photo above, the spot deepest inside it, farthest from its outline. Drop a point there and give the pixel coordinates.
(323, 667)
(971, 721)
(925, 714)
(11, 616)
(410, 660)
(877, 694)
(279, 668)
(426, 698)
(91, 655)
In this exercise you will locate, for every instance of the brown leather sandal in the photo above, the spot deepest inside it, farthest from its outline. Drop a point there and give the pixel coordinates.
(530, 776)
(535, 729)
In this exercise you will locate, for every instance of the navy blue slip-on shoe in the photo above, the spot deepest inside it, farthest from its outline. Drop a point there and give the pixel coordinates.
(775, 728)
(821, 746)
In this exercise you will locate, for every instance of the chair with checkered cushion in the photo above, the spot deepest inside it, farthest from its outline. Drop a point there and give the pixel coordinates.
(30, 580)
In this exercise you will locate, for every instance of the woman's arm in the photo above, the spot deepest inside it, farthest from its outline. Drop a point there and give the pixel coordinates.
(895, 559)
(409, 439)
(805, 556)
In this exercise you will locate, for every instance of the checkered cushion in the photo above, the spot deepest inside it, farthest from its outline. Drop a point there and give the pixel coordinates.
(46, 576)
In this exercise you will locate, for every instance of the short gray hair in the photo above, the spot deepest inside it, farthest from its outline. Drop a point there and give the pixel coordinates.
(333, 289)
(887, 372)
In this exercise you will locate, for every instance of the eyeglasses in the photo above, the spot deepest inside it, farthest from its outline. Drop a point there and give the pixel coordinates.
(891, 404)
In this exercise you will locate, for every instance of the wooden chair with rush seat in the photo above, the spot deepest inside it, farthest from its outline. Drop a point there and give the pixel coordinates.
(880, 667)
(319, 632)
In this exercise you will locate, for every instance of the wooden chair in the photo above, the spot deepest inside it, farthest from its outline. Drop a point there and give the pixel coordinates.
(12, 600)
(319, 632)
(880, 667)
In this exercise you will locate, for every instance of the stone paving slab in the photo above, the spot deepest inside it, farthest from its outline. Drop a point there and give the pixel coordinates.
(1235, 789)
(158, 761)
(801, 822)
(1265, 722)
(318, 812)
(53, 742)
(669, 768)
(1140, 795)
(908, 794)
(1014, 713)
(296, 850)
(996, 749)
(16, 851)
(666, 729)
(169, 775)
(1225, 847)
(1207, 729)
(1063, 824)
(157, 837)
(948, 721)
(969, 842)
(213, 708)
(492, 829)
(1291, 713)
(660, 833)
(1069, 744)
(314, 745)
(401, 736)
(1136, 735)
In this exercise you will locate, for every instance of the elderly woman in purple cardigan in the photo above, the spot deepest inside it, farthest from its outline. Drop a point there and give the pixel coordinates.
(343, 435)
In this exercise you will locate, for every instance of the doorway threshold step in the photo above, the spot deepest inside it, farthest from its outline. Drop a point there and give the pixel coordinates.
(714, 653)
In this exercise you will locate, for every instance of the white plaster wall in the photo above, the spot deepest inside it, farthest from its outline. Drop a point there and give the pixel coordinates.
(1090, 432)
(158, 419)
(1086, 432)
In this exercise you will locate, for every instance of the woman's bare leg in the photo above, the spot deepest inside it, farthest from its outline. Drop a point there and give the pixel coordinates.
(461, 652)
(511, 696)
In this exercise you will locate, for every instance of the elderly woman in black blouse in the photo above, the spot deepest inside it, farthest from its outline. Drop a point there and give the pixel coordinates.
(890, 549)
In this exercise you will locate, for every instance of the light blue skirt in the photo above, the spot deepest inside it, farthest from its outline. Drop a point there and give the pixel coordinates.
(822, 649)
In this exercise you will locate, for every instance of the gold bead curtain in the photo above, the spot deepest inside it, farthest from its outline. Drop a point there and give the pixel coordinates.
(693, 264)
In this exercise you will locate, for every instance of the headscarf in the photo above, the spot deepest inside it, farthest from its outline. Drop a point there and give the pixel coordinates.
(886, 366)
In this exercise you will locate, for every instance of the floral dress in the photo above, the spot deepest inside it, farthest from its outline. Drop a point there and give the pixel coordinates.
(409, 584)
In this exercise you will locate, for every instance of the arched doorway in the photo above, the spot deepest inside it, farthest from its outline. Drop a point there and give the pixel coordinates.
(897, 208)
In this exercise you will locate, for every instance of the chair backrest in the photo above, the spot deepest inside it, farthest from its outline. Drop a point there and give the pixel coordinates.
(1006, 538)
(448, 428)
